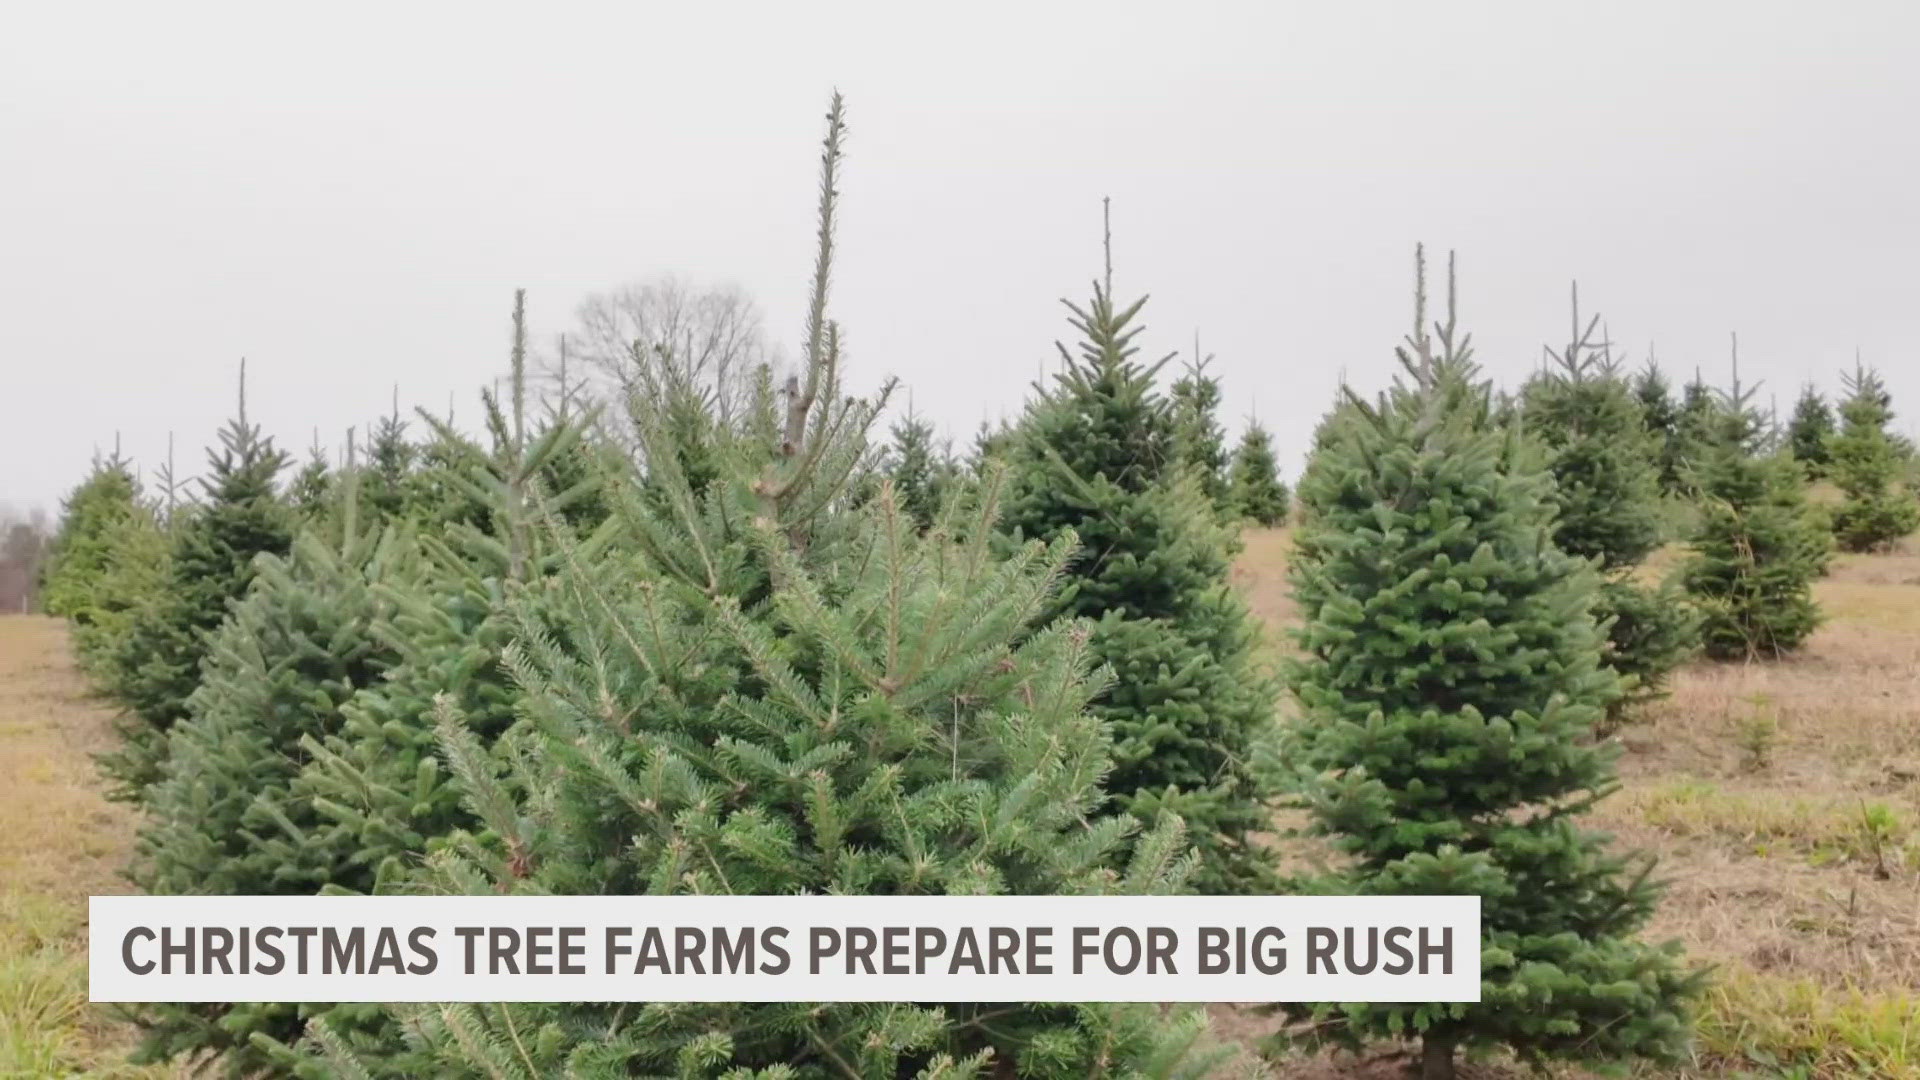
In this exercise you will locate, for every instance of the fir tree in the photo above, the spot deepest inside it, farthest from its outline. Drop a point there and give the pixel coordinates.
(83, 544)
(1866, 466)
(1809, 431)
(918, 480)
(139, 546)
(1199, 444)
(210, 566)
(1603, 461)
(221, 821)
(1700, 428)
(1662, 421)
(1094, 455)
(1451, 670)
(311, 492)
(768, 691)
(1259, 495)
(387, 482)
(1757, 548)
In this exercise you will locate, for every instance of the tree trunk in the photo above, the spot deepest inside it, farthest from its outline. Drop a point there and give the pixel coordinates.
(1436, 1057)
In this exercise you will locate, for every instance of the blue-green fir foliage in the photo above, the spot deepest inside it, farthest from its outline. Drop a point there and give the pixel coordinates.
(1449, 676)
(1095, 456)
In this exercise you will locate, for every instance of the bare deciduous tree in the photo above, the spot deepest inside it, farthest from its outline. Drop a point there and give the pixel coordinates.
(668, 331)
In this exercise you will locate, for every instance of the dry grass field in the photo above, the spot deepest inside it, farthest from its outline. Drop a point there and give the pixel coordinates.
(1783, 799)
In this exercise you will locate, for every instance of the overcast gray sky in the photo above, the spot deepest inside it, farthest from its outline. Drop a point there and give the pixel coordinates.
(348, 194)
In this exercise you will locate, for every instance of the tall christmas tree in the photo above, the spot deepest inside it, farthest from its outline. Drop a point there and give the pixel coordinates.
(210, 567)
(1451, 670)
(1095, 455)
(220, 819)
(1604, 463)
(1258, 494)
(1757, 549)
(1866, 467)
(1199, 443)
(1809, 431)
(764, 690)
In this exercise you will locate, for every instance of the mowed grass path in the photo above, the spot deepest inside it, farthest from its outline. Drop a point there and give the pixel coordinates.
(60, 842)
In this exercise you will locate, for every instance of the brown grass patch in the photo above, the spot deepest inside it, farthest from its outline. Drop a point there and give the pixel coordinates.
(60, 842)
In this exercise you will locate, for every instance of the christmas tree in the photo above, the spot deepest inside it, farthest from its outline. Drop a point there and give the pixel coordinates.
(1199, 444)
(919, 477)
(221, 820)
(1866, 466)
(211, 566)
(1757, 549)
(1662, 421)
(1451, 672)
(761, 689)
(1809, 431)
(1259, 495)
(387, 481)
(1094, 455)
(1604, 463)
(311, 491)
(83, 546)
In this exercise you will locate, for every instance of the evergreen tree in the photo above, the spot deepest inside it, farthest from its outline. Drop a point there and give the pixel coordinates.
(1094, 455)
(917, 475)
(1662, 421)
(310, 494)
(1199, 443)
(1865, 464)
(1700, 426)
(1259, 494)
(387, 483)
(1809, 431)
(1451, 671)
(139, 550)
(768, 691)
(83, 544)
(221, 821)
(210, 566)
(1757, 548)
(1604, 463)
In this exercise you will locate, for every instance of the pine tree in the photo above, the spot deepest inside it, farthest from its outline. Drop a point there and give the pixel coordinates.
(1809, 431)
(83, 545)
(1757, 548)
(1199, 443)
(1095, 455)
(1603, 462)
(221, 820)
(210, 566)
(1451, 671)
(1865, 465)
(1259, 495)
(768, 691)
